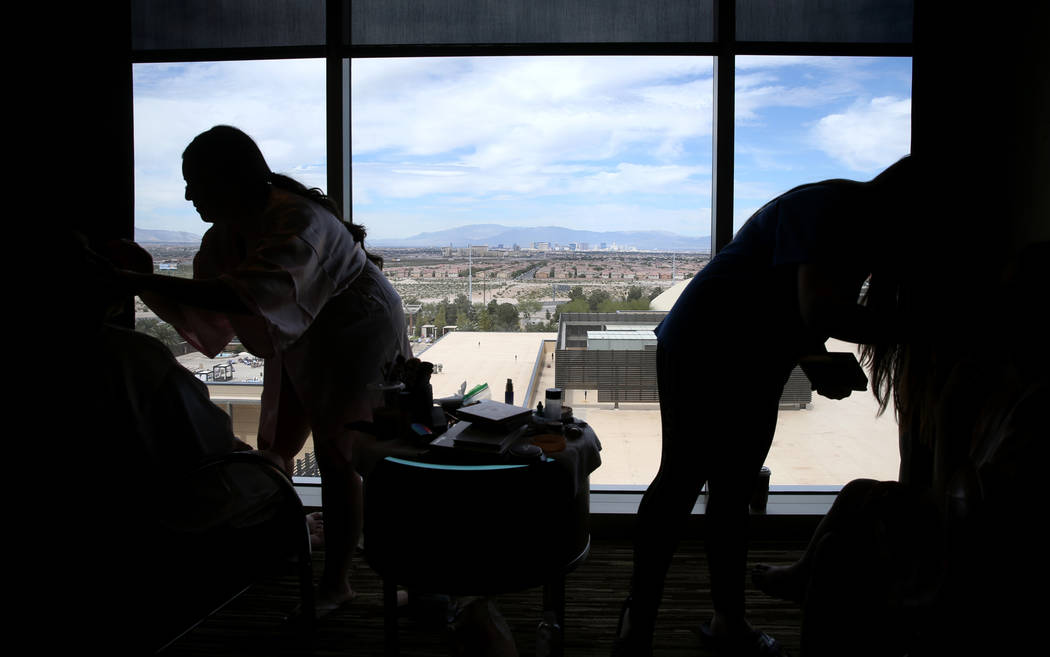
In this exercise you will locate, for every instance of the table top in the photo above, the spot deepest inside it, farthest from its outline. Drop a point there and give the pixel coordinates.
(580, 457)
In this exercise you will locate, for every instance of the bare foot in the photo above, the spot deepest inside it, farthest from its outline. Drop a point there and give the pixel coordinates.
(329, 601)
(315, 521)
(324, 604)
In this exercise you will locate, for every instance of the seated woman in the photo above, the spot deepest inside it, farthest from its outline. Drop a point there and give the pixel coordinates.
(900, 566)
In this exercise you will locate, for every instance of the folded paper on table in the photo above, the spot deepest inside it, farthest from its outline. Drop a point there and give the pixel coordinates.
(489, 412)
(465, 434)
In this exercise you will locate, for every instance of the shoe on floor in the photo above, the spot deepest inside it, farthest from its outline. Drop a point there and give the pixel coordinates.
(752, 644)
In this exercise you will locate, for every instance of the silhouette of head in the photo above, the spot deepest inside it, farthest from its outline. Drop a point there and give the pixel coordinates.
(226, 174)
(902, 227)
(898, 182)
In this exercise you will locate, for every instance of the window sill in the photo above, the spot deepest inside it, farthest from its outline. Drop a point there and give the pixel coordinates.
(791, 511)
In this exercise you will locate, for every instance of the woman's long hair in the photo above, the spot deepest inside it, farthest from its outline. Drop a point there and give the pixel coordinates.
(895, 284)
(884, 293)
(226, 156)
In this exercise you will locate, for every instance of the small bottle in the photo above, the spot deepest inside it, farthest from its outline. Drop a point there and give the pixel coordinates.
(552, 410)
(508, 396)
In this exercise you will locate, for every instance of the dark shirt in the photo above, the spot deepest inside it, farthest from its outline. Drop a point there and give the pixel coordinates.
(748, 293)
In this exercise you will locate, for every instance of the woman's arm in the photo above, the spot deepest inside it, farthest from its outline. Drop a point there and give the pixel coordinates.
(133, 268)
(209, 294)
(827, 299)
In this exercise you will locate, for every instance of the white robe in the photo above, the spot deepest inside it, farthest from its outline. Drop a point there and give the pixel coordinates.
(323, 315)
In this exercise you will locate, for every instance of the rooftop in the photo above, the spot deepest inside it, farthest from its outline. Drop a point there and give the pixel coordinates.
(827, 443)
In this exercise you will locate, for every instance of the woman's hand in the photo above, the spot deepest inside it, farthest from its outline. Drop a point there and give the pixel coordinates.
(126, 254)
(834, 376)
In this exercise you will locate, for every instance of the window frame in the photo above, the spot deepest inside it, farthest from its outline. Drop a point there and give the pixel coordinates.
(724, 48)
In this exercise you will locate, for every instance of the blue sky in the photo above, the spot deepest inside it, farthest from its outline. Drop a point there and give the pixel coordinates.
(601, 143)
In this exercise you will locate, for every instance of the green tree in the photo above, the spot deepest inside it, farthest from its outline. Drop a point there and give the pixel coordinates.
(463, 309)
(507, 317)
(528, 307)
(596, 298)
(575, 306)
(160, 330)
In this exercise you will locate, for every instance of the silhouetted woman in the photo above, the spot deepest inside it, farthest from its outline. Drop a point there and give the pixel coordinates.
(280, 270)
(789, 280)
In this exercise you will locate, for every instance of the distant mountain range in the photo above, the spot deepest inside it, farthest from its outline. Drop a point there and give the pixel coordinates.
(495, 234)
(150, 235)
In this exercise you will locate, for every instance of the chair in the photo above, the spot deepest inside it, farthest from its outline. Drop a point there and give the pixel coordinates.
(473, 530)
(210, 536)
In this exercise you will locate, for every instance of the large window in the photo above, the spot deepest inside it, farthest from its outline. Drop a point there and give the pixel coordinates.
(574, 172)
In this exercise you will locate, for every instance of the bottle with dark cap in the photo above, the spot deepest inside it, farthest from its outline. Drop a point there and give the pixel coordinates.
(508, 396)
(553, 407)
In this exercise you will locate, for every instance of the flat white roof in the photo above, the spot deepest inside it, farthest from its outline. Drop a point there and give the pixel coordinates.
(481, 357)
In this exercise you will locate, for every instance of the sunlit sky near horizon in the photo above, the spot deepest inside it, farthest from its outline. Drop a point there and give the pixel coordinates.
(595, 143)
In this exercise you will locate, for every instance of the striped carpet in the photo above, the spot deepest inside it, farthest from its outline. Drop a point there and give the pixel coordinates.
(251, 625)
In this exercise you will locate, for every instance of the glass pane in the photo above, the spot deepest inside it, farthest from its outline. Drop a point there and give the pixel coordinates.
(503, 191)
(280, 104)
(799, 120)
(386, 22)
(842, 21)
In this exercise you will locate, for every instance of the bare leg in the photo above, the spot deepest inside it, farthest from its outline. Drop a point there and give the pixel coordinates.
(789, 582)
(342, 504)
(727, 518)
(292, 430)
(662, 514)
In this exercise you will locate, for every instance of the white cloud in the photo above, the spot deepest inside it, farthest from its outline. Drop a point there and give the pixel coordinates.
(279, 103)
(518, 138)
(528, 109)
(534, 126)
(868, 136)
(636, 178)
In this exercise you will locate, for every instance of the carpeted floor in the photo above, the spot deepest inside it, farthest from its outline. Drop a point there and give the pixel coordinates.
(252, 624)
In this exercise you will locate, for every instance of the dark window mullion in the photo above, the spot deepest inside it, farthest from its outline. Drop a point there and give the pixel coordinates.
(722, 129)
(337, 108)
